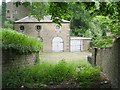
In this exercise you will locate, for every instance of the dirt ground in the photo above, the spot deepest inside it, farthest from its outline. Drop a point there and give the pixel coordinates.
(57, 56)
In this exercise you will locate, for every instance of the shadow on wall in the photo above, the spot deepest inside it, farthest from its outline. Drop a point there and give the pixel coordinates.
(109, 60)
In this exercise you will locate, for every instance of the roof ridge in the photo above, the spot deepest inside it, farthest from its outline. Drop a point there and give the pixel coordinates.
(33, 19)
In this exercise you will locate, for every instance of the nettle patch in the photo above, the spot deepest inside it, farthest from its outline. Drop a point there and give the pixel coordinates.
(18, 42)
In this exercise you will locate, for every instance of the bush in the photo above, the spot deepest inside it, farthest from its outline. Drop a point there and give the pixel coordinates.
(62, 71)
(102, 42)
(45, 73)
(87, 75)
(8, 24)
(18, 42)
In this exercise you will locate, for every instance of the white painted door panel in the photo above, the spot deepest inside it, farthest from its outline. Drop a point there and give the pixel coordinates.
(75, 45)
(57, 44)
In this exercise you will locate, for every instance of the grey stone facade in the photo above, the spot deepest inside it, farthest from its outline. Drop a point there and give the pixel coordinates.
(48, 31)
(15, 13)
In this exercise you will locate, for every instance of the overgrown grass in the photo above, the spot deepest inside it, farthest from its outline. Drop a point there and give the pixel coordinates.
(45, 73)
(19, 42)
(87, 75)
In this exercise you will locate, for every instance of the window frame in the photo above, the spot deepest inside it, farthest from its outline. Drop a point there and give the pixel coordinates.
(38, 28)
(8, 11)
(56, 27)
(23, 28)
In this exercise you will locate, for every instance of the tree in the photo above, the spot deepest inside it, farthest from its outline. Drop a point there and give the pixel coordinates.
(58, 10)
(80, 19)
(81, 14)
(112, 11)
(37, 9)
(104, 23)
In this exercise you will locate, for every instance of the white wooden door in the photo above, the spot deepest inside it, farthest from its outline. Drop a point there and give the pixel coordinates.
(57, 44)
(75, 45)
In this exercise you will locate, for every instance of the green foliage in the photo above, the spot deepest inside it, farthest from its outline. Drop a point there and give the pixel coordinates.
(83, 15)
(80, 17)
(102, 42)
(78, 32)
(18, 42)
(58, 11)
(111, 10)
(8, 24)
(40, 75)
(87, 75)
(103, 23)
(83, 23)
(62, 71)
(38, 9)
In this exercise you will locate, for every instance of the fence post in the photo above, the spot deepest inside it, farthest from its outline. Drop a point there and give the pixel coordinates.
(95, 55)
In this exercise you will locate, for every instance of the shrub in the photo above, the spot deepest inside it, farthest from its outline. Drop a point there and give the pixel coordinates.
(12, 40)
(62, 71)
(45, 73)
(101, 42)
(8, 24)
(87, 75)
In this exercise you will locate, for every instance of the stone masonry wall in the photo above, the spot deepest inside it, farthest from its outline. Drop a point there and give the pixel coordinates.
(86, 44)
(47, 32)
(12, 60)
(15, 13)
(109, 60)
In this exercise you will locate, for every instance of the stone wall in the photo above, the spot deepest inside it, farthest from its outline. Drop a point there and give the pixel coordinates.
(11, 59)
(109, 60)
(86, 44)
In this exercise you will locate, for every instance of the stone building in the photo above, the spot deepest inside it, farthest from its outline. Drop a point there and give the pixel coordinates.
(15, 13)
(55, 38)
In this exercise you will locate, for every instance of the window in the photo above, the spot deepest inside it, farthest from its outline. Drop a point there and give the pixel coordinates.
(8, 17)
(57, 27)
(38, 28)
(22, 28)
(8, 11)
(15, 12)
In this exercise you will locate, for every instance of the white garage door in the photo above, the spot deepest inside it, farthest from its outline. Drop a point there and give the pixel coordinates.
(57, 44)
(74, 45)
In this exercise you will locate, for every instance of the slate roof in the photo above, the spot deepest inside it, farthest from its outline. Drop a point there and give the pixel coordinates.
(32, 19)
